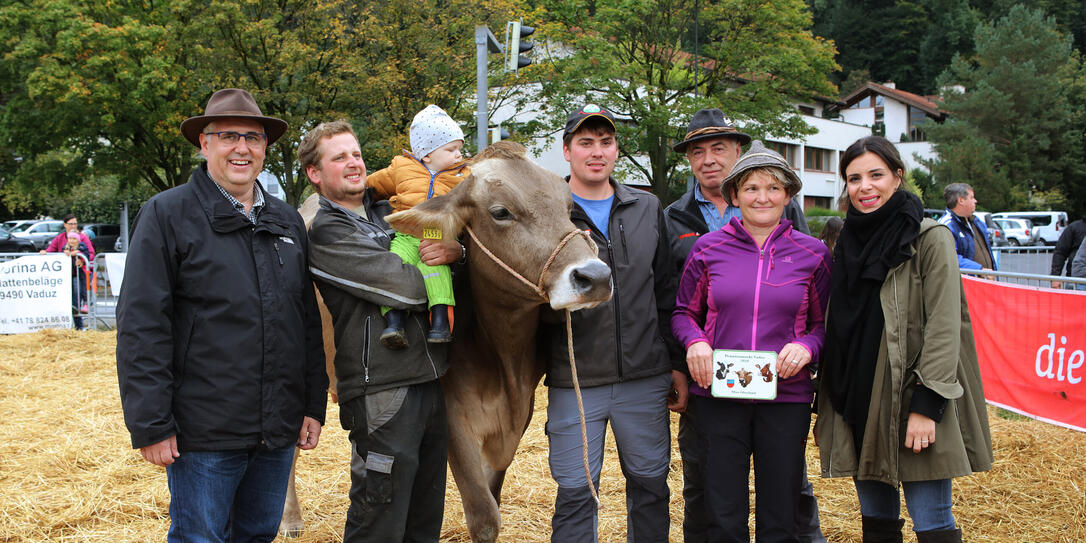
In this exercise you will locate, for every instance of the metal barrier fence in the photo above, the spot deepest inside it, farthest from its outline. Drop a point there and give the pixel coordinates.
(1026, 266)
(1031, 260)
(1029, 279)
(92, 318)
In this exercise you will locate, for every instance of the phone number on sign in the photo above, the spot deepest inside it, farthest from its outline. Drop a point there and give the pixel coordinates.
(55, 319)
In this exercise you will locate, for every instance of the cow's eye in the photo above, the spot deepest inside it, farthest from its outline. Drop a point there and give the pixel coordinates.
(500, 214)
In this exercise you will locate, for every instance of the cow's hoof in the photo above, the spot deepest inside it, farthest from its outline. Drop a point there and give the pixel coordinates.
(291, 530)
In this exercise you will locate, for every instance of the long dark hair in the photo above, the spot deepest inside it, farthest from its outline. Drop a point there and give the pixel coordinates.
(880, 147)
(830, 231)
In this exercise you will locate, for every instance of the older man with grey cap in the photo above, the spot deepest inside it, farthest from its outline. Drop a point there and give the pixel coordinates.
(712, 146)
(219, 352)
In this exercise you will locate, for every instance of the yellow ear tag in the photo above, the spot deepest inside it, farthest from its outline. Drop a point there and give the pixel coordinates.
(431, 233)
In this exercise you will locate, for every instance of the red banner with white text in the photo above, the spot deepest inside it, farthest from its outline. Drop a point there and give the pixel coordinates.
(1031, 343)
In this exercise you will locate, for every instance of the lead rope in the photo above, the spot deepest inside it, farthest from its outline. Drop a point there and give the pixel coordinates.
(538, 288)
(580, 411)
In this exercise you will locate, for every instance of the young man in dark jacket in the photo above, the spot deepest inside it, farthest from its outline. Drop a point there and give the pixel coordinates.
(219, 351)
(390, 400)
(621, 351)
(712, 146)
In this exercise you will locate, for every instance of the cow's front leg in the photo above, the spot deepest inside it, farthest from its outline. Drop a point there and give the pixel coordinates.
(291, 524)
(474, 480)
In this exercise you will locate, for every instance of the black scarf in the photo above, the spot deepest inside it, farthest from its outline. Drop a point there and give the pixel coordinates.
(870, 245)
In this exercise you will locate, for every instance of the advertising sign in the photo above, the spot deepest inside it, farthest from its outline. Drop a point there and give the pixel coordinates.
(1031, 343)
(35, 293)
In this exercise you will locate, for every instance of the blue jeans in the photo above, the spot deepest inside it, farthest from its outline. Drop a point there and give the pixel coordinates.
(928, 502)
(228, 496)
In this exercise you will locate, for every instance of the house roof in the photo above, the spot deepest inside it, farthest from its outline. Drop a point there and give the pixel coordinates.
(924, 103)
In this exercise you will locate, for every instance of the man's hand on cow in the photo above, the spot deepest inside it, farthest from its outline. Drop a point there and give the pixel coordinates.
(699, 358)
(310, 434)
(680, 392)
(435, 252)
(161, 453)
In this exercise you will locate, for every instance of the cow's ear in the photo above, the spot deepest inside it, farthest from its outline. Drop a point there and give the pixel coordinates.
(445, 213)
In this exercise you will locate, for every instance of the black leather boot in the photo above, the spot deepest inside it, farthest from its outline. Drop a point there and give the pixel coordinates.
(882, 530)
(393, 336)
(439, 325)
(939, 536)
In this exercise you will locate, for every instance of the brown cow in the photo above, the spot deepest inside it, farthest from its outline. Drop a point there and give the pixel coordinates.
(520, 213)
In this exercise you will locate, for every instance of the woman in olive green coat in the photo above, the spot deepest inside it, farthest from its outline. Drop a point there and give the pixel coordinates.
(900, 398)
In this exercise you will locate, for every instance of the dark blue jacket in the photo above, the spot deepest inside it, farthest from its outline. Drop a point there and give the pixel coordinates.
(218, 334)
(964, 244)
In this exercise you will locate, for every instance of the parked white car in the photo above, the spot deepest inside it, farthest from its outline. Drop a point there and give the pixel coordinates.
(1050, 224)
(1019, 231)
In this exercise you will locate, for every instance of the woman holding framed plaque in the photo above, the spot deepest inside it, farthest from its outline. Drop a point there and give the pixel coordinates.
(749, 312)
(900, 397)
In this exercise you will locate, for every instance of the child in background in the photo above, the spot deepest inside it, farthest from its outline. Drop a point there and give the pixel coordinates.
(79, 279)
(432, 168)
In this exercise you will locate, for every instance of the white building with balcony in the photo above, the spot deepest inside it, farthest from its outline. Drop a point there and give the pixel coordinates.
(873, 108)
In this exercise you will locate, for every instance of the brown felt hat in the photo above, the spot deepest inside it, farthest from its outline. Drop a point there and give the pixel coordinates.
(709, 123)
(231, 104)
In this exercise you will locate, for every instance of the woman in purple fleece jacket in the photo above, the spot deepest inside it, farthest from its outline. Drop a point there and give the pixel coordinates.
(755, 284)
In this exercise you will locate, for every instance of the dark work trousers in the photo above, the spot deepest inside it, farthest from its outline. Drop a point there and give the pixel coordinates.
(775, 435)
(398, 484)
(695, 521)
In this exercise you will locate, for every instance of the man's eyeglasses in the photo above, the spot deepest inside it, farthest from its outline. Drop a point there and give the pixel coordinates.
(252, 139)
(72, 223)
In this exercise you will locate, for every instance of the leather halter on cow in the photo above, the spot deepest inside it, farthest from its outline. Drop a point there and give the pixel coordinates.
(520, 213)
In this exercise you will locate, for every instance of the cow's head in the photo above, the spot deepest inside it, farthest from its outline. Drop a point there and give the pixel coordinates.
(520, 212)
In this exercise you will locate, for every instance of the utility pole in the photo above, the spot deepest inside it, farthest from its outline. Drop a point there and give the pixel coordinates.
(485, 43)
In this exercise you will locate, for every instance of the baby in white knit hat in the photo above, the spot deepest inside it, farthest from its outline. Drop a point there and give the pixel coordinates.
(432, 168)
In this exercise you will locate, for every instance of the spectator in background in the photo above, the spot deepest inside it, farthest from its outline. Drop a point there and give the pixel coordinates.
(970, 233)
(830, 231)
(1078, 265)
(71, 224)
(73, 248)
(1066, 249)
(79, 273)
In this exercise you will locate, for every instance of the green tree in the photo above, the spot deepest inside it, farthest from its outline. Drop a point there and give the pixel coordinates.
(96, 86)
(912, 42)
(1011, 131)
(99, 88)
(630, 56)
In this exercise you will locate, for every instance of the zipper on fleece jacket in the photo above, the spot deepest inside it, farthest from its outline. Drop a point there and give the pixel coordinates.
(758, 285)
(618, 327)
(366, 355)
(622, 237)
(757, 297)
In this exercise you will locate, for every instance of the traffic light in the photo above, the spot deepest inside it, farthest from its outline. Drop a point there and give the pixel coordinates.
(516, 44)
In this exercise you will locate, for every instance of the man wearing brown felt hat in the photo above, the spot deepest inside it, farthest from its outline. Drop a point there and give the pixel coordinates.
(219, 352)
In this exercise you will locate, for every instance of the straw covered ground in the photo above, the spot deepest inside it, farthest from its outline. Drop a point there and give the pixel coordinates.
(67, 472)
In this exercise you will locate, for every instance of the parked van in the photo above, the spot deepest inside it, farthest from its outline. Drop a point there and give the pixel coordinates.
(1049, 224)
